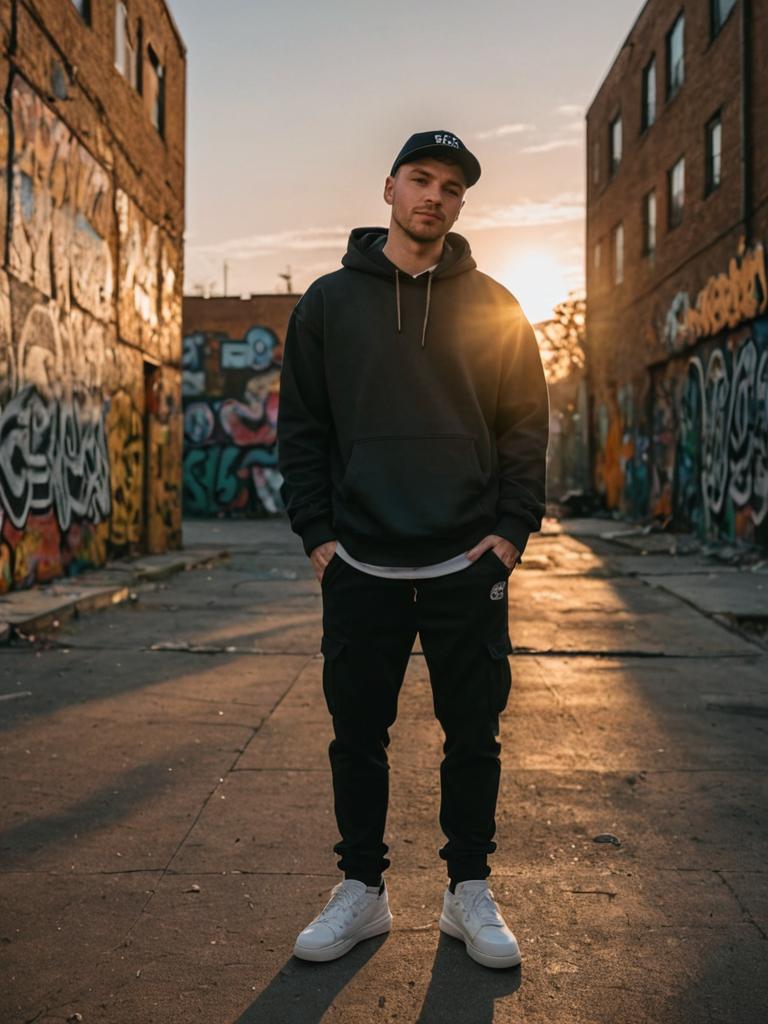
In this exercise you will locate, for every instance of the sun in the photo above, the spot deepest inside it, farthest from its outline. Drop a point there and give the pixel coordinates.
(538, 280)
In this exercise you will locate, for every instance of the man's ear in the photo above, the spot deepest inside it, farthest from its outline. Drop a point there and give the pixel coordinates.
(460, 208)
(389, 190)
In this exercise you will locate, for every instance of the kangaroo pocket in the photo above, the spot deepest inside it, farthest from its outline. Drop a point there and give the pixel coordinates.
(412, 486)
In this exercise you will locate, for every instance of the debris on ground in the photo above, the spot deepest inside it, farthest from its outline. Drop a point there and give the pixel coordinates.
(607, 837)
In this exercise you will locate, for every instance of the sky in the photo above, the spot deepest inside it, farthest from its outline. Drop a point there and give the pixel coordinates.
(295, 113)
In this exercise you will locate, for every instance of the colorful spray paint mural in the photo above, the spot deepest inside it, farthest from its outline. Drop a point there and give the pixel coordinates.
(87, 450)
(721, 456)
(621, 459)
(231, 391)
(694, 451)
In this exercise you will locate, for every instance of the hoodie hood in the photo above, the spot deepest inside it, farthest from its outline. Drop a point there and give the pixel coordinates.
(364, 253)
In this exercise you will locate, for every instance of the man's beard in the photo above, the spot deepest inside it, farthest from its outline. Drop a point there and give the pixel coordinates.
(423, 234)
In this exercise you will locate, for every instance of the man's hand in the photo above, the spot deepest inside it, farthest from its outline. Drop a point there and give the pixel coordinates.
(321, 556)
(504, 549)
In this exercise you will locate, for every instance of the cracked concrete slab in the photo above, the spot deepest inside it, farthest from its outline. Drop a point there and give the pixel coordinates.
(734, 594)
(226, 944)
(615, 616)
(84, 916)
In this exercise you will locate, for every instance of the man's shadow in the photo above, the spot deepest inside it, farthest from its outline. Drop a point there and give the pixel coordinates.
(460, 990)
(301, 992)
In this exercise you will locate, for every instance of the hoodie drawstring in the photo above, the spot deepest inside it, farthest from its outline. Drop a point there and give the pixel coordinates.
(426, 308)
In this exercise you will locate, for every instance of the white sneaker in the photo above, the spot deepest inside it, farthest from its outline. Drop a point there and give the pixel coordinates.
(353, 912)
(471, 914)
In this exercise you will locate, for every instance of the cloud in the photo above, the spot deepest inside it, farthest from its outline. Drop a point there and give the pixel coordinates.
(305, 239)
(570, 109)
(503, 130)
(527, 213)
(548, 147)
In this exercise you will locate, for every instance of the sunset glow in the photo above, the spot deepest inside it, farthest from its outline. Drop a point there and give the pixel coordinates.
(539, 279)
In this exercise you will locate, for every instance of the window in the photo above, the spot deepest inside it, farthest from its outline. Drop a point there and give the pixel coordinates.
(649, 94)
(675, 65)
(676, 187)
(83, 8)
(615, 143)
(598, 256)
(126, 51)
(714, 148)
(649, 223)
(156, 91)
(618, 253)
(719, 11)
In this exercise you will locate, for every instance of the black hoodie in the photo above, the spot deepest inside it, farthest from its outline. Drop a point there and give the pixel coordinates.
(413, 412)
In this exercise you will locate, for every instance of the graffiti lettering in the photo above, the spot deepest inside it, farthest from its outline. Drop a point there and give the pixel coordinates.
(728, 299)
(53, 454)
(706, 443)
(725, 301)
(735, 432)
(230, 389)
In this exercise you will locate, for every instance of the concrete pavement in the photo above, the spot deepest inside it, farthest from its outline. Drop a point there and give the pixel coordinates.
(23, 612)
(167, 820)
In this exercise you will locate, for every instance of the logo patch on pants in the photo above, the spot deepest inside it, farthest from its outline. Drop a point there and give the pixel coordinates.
(497, 591)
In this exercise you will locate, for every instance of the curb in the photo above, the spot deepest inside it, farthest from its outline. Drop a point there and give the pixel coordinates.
(27, 611)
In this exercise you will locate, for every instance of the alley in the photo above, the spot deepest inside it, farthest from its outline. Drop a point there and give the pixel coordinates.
(167, 820)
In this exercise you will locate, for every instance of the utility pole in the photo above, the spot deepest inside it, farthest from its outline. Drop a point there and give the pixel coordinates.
(288, 278)
(226, 278)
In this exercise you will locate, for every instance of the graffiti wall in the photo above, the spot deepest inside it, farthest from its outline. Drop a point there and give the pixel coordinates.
(690, 444)
(230, 391)
(720, 457)
(622, 470)
(87, 450)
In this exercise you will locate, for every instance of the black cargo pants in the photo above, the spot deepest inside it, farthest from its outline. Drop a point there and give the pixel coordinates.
(369, 627)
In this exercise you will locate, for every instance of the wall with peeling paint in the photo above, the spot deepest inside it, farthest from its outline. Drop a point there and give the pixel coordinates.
(231, 379)
(90, 297)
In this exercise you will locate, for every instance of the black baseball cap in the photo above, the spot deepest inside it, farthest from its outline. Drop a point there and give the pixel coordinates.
(439, 144)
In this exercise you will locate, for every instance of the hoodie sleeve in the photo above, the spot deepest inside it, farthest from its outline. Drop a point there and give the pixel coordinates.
(522, 432)
(304, 423)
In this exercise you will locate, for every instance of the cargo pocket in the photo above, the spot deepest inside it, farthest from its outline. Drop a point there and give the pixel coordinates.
(499, 648)
(331, 648)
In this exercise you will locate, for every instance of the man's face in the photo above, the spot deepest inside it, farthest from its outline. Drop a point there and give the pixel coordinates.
(426, 197)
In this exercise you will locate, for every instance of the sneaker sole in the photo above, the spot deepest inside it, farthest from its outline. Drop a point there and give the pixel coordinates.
(510, 960)
(378, 927)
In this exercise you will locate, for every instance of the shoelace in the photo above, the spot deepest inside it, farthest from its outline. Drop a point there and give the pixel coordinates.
(341, 902)
(482, 905)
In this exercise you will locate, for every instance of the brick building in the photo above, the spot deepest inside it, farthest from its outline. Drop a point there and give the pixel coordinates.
(231, 380)
(91, 222)
(677, 214)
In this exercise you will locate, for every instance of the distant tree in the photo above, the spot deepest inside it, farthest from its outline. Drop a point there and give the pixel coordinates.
(561, 338)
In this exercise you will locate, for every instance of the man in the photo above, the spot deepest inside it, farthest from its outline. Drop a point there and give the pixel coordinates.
(412, 433)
